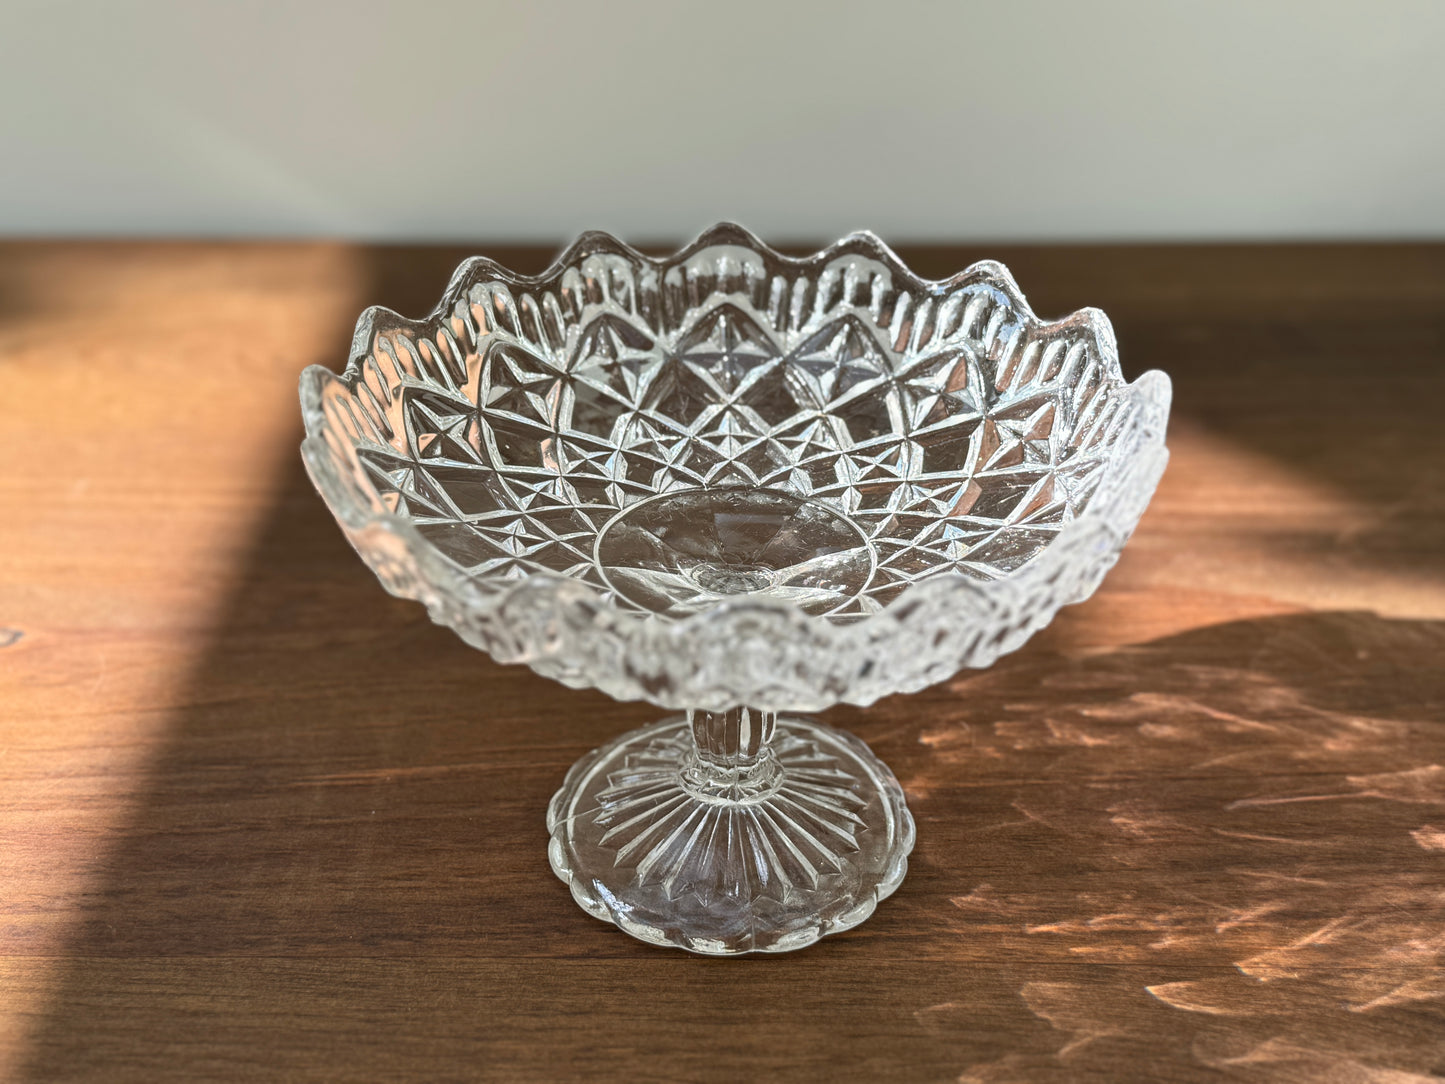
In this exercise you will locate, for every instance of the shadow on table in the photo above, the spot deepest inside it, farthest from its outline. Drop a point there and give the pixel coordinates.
(1224, 848)
(1216, 854)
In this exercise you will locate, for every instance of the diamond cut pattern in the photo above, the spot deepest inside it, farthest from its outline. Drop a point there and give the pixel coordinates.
(960, 433)
(962, 453)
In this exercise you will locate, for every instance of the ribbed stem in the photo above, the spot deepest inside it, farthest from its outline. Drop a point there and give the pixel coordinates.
(731, 758)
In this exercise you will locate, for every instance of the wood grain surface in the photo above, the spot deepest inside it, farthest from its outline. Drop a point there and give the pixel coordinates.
(260, 821)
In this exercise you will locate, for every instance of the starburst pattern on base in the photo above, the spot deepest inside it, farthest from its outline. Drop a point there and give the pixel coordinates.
(810, 852)
(794, 835)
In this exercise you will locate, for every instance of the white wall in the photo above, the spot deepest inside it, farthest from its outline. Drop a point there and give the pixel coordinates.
(477, 118)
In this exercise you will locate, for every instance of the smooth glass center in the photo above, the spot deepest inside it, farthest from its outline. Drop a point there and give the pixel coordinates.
(679, 553)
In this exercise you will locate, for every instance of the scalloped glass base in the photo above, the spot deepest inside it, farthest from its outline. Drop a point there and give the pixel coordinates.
(800, 844)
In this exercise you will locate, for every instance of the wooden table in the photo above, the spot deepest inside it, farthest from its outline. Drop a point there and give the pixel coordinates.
(260, 821)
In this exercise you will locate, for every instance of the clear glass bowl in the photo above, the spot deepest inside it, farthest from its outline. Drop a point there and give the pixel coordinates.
(741, 486)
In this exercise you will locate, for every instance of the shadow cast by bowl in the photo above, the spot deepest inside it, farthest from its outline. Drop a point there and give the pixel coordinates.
(1219, 846)
(1226, 847)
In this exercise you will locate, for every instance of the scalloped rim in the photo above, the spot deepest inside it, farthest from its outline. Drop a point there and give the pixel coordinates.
(1152, 390)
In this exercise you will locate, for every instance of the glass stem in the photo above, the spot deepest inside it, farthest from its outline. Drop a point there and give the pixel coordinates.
(732, 757)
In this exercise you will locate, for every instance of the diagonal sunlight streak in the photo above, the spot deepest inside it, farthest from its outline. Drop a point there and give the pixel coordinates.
(1234, 533)
(149, 407)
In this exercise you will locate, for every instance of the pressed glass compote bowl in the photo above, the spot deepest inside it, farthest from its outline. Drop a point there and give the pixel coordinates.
(739, 486)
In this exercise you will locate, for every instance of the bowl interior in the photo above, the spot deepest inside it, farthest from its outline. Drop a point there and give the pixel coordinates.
(730, 423)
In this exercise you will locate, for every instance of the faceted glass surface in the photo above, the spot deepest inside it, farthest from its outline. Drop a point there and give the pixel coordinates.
(870, 479)
(741, 485)
(798, 838)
